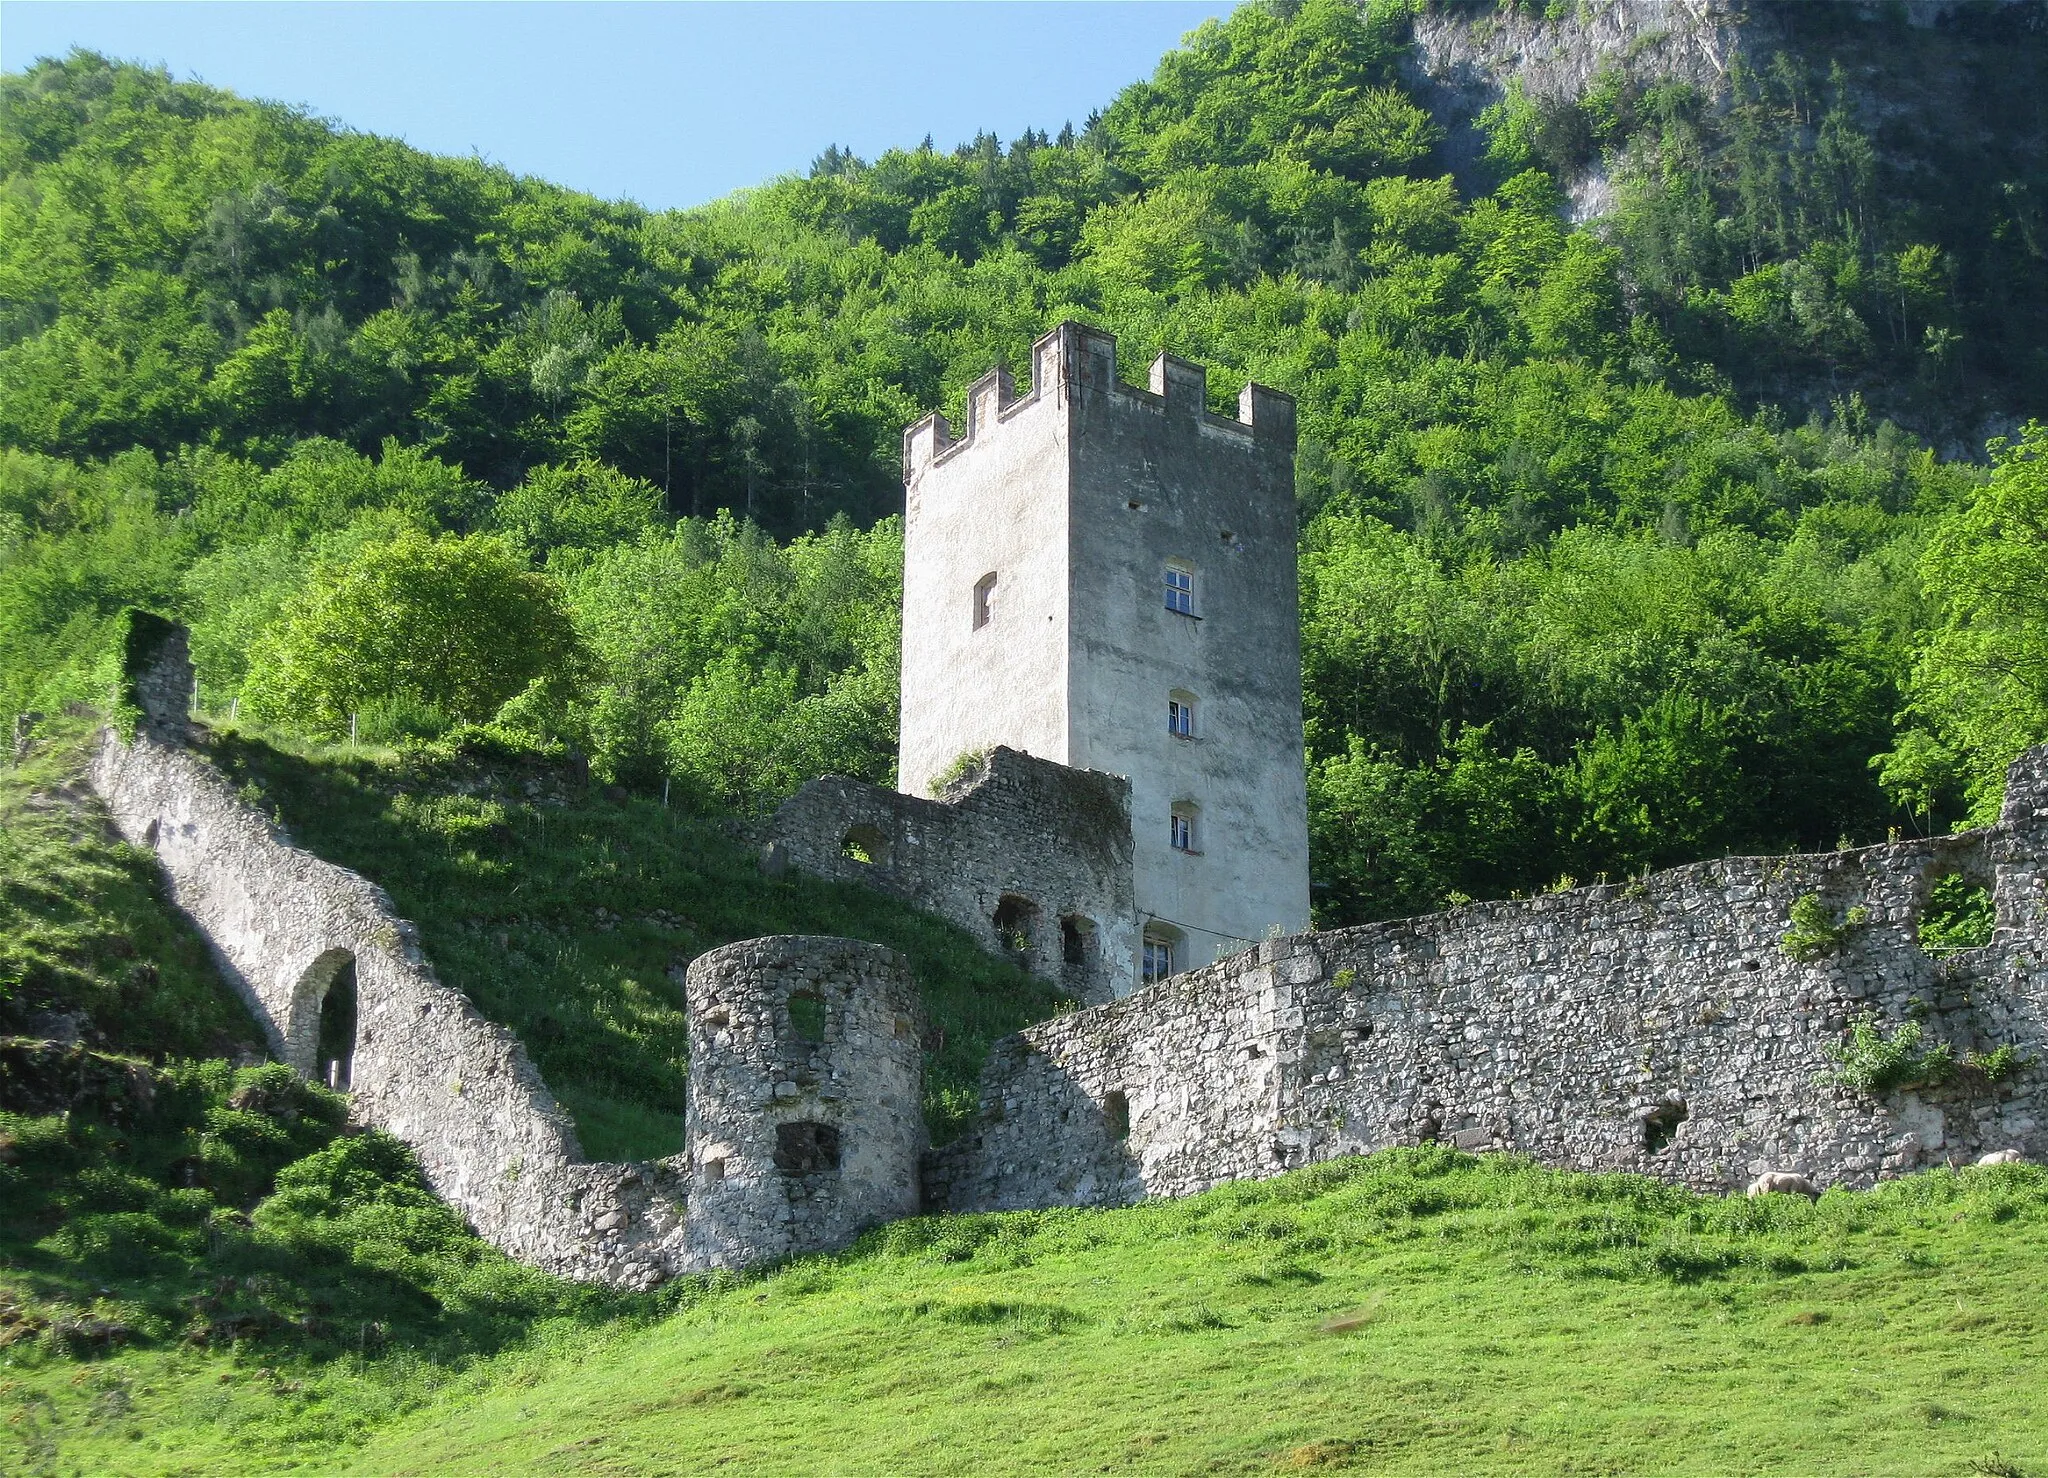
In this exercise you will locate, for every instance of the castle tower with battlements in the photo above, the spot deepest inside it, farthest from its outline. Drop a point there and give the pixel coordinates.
(1104, 577)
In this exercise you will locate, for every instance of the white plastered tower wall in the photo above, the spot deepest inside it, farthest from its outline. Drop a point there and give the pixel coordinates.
(1078, 497)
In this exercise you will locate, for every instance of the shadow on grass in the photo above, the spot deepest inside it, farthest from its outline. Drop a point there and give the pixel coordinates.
(568, 912)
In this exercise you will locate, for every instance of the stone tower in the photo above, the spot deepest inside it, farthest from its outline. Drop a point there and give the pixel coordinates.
(1104, 577)
(805, 1122)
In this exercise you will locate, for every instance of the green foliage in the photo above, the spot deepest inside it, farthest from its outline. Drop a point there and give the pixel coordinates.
(84, 924)
(1878, 1063)
(963, 765)
(566, 910)
(1983, 676)
(1815, 933)
(1579, 598)
(2000, 1064)
(1261, 1320)
(1959, 915)
(450, 625)
(154, 1195)
(742, 668)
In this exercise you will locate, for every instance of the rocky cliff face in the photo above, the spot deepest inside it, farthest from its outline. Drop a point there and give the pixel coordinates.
(1469, 55)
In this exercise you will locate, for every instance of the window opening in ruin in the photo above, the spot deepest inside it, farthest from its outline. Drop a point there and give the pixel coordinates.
(1959, 915)
(1184, 827)
(1180, 714)
(1077, 939)
(1116, 1116)
(1180, 589)
(984, 600)
(337, 1041)
(1661, 1126)
(805, 1148)
(149, 837)
(1159, 948)
(866, 844)
(807, 1016)
(1015, 921)
(714, 1171)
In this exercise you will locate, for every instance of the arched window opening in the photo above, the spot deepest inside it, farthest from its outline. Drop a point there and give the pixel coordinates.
(807, 1016)
(337, 1040)
(806, 1148)
(1180, 587)
(150, 835)
(867, 844)
(1959, 914)
(1116, 1116)
(1180, 714)
(984, 600)
(1016, 921)
(1077, 940)
(1161, 945)
(1185, 827)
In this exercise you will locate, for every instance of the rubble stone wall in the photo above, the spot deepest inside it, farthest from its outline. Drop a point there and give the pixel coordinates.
(426, 1067)
(1657, 1026)
(806, 1118)
(1053, 842)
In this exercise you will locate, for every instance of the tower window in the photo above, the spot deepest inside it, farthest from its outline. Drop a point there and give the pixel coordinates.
(1180, 589)
(1180, 715)
(1182, 828)
(984, 600)
(1159, 944)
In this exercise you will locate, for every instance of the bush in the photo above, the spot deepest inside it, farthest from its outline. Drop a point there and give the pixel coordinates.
(1877, 1064)
(1814, 932)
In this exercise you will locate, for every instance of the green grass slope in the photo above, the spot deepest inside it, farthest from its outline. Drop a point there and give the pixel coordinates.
(567, 912)
(167, 1200)
(1418, 1311)
(203, 1269)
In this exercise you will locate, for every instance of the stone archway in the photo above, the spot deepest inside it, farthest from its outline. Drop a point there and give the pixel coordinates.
(321, 1040)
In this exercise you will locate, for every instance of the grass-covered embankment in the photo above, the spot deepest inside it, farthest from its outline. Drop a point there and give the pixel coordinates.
(567, 911)
(168, 1201)
(1420, 1311)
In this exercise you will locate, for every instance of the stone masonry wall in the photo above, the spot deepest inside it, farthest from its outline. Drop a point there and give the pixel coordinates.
(1656, 1026)
(426, 1067)
(806, 1116)
(1055, 839)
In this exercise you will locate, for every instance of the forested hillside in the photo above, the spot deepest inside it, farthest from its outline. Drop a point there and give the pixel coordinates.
(419, 446)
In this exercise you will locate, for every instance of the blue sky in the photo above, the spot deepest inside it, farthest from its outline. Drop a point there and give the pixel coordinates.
(668, 104)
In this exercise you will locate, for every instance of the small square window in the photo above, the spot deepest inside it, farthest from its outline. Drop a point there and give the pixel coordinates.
(1158, 957)
(1180, 719)
(1183, 832)
(1180, 590)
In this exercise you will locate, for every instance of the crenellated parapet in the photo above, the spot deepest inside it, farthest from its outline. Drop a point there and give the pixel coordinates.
(1078, 363)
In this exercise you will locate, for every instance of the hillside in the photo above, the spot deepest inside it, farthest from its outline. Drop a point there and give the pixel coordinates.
(534, 546)
(1416, 1312)
(1611, 560)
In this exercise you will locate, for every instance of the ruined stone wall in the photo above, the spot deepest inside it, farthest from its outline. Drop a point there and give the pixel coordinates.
(806, 1117)
(1656, 1026)
(283, 926)
(425, 1066)
(1054, 841)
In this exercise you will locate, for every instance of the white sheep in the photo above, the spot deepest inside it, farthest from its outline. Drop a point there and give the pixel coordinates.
(2002, 1157)
(1784, 1182)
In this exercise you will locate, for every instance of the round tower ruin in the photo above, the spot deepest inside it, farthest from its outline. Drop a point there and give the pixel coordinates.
(806, 1115)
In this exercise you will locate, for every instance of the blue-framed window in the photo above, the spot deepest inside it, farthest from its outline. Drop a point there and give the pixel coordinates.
(1180, 590)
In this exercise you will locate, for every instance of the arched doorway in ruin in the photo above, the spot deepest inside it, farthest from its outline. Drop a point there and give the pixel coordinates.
(324, 1019)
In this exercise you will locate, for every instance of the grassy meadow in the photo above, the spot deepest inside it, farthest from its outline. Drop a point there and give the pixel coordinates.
(1417, 1311)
